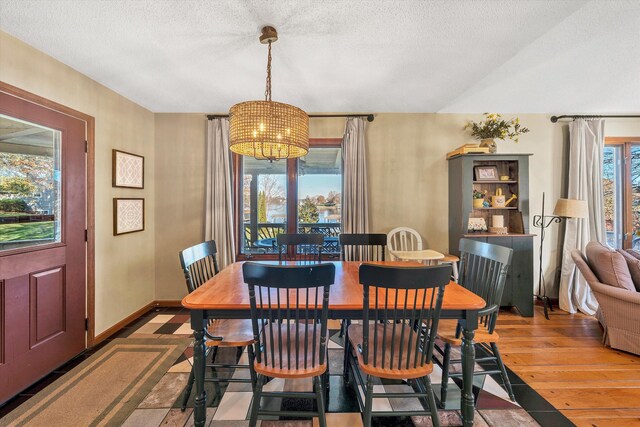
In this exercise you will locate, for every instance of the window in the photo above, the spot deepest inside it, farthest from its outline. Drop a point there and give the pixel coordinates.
(621, 187)
(30, 167)
(289, 196)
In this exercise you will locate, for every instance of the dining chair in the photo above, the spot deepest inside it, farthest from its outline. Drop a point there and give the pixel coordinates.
(199, 264)
(363, 247)
(302, 247)
(396, 338)
(483, 271)
(289, 309)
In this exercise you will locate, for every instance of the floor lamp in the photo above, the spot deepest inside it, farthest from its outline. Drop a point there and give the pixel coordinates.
(565, 208)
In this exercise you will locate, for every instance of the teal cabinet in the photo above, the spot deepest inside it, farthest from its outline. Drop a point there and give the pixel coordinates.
(463, 180)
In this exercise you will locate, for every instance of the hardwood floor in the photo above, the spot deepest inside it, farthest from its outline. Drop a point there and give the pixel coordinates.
(563, 359)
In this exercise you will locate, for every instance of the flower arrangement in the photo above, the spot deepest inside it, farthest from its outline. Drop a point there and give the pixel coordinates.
(494, 126)
(478, 195)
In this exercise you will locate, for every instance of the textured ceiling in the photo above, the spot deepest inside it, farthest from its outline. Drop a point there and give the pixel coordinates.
(550, 56)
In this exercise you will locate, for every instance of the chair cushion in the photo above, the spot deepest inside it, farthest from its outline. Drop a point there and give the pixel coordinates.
(634, 267)
(609, 266)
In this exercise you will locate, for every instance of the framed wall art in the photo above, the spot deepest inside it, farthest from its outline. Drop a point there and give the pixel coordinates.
(128, 216)
(127, 170)
(486, 173)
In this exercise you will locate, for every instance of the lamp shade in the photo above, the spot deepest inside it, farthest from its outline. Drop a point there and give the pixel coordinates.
(571, 208)
(268, 130)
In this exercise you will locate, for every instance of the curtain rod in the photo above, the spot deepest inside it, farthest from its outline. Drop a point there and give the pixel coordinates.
(312, 116)
(554, 119)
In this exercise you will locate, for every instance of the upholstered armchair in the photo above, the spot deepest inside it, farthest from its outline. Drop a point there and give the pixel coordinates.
(619, 309)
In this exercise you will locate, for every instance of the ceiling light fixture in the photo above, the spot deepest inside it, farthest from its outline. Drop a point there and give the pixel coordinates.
(268, 130)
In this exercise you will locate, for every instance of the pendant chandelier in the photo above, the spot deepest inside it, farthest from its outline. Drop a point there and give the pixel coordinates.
(268, 130)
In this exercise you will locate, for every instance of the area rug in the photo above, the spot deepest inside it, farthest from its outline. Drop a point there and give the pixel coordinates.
(104, 389)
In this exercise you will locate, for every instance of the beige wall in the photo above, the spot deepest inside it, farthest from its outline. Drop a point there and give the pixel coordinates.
(125, 266)
(180, 182)
(622, 127)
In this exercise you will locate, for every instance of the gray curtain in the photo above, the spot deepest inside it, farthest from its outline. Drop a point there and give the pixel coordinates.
(585, 183)
(355, 205)
(219, 200)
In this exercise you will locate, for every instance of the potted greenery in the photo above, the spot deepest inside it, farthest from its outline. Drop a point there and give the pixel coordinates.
(478, 199)
(495, 127)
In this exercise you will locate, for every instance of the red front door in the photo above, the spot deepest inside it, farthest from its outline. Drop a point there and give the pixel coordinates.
(42, 241)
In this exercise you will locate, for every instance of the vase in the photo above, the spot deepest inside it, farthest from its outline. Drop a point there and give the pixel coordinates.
(478, 203)
(489, 142)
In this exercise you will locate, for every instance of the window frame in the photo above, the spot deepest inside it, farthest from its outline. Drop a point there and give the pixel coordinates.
(292, 197)
(627, 143)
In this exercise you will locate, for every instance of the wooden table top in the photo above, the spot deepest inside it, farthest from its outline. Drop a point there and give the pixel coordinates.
(227, 290)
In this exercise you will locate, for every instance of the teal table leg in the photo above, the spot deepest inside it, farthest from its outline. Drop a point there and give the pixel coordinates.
(199, 360)
(467, 405)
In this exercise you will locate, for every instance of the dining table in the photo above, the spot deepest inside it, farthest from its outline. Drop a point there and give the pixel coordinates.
(226, 296)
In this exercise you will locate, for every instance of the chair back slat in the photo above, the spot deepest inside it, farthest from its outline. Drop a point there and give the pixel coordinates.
(288, 338)
(483, 271)
(401, 311)
(300, 247)
(199, 264)
(363, 247)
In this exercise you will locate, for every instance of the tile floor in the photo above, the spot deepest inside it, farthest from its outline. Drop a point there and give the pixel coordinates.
(161, 407)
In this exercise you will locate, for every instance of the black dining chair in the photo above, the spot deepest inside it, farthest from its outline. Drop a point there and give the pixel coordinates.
(300, 247)
(483, 271)
(289, 309)
(395, 340)
(363, 247)
(199, 264)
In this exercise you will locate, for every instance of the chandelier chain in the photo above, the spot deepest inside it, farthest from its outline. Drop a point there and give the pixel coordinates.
(267, 92)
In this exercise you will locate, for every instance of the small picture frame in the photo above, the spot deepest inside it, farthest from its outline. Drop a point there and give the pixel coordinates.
(128, 215)
(127, 170)
(486, 173)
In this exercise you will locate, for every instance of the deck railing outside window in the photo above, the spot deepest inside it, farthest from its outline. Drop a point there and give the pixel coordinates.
(265, 236)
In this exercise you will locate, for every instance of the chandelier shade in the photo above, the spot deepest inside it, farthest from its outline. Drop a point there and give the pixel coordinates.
(268, 130)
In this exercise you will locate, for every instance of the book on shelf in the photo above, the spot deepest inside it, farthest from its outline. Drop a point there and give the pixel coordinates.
(468, 149)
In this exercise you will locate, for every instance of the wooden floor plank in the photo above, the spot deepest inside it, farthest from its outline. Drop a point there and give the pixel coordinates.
(577, 376)
(581, 368)
(550, 342)
(594, 414)
(576, 358)
(607, 422)
(557, 385)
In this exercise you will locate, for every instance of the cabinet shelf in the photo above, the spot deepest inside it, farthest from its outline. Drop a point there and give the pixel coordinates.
(496, 182)
(497, 209)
